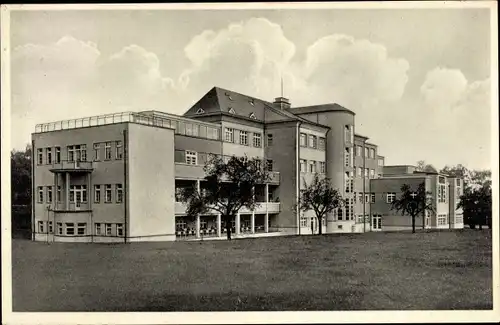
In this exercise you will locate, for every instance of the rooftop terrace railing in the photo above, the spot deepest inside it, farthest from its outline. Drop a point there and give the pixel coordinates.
(181, 125)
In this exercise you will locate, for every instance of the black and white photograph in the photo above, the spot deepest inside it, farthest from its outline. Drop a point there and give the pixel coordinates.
(330, 161)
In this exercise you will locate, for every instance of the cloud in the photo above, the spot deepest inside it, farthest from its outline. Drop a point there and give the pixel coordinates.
(355, 72)
(253, 54)
(132, 78)
(458, 117)
(443, 87)
(71, 78)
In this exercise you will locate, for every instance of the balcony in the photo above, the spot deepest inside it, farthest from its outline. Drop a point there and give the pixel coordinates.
(263, 207)
(72, 166)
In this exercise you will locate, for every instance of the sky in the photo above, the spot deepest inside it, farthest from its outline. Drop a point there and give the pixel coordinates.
(417, 79)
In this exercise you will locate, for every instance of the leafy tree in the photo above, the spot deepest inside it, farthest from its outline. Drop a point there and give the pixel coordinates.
(413, 203)
(320, 197)
(472, 178)
(229, 187)
(477, 206)
(421, 165)
(20, 162)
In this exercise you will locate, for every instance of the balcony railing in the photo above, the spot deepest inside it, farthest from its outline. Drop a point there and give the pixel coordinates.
(262, 207)
(64, 165)
(181, 125)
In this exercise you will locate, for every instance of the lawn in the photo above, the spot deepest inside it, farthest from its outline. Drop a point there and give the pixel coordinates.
(373, 271)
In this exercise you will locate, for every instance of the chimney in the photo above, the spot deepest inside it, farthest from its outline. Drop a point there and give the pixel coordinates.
(281, 103)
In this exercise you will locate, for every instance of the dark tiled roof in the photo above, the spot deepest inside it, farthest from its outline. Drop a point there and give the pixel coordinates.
(219, 100)
(320, 108)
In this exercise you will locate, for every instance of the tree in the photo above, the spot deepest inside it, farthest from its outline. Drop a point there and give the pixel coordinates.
(413, 203)
(229, 187)
(320, 197)
(20, 162)
(472, 178)
(476, 204)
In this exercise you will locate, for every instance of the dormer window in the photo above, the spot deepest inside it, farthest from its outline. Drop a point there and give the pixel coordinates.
(200, 111)
(251, 102)
(252, 116)
(231, 110)
(229, 96)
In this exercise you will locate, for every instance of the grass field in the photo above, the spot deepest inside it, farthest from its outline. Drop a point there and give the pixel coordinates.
(373, 271)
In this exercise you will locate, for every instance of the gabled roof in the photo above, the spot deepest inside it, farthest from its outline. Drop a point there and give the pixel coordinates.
(223, 101)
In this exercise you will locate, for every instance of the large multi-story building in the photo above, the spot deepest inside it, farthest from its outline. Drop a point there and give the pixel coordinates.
(117, 177)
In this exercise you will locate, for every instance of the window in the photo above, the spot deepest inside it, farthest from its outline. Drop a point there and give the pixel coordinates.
(40, 156)
(303, 166)
(58, 198)
(59, 228)
(381, 162)
(257, 140)
(200, 111)
(119, 229)
(107, 151)
(81, 228)
(441, 193)
(358, 150)
(347, 158)
(251, 101)
(367, 198)
(303, 140)
(322, 144)
(312, 166)
(119, 193)
(119, 150)
(312, 141)
(231, 110)
(40, 227)
(70, 229)
(458, 182)
(49, 155)
(97, 193)
(360, 197)
(77, 152)
(252, 116)
(83, 153)
(78, 194)
(347, 182)
(203, 224)
(372, 173)
(377, 222)
(322, 167)
(49, 194)
(97, 149)
(269, 165)
(372, 198)
(40, 194)
(367, 152)
(180, 224)
(340, 214)
(442, 219)
(98, 230)
(372, 153)
(269, 139)
(244, 138)
(391, 197)
(191, 157)
(303, 221)
(442, 180)
(107, 194)
(58, 155)
(366, 172)
(229, 135)
(108, 229)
